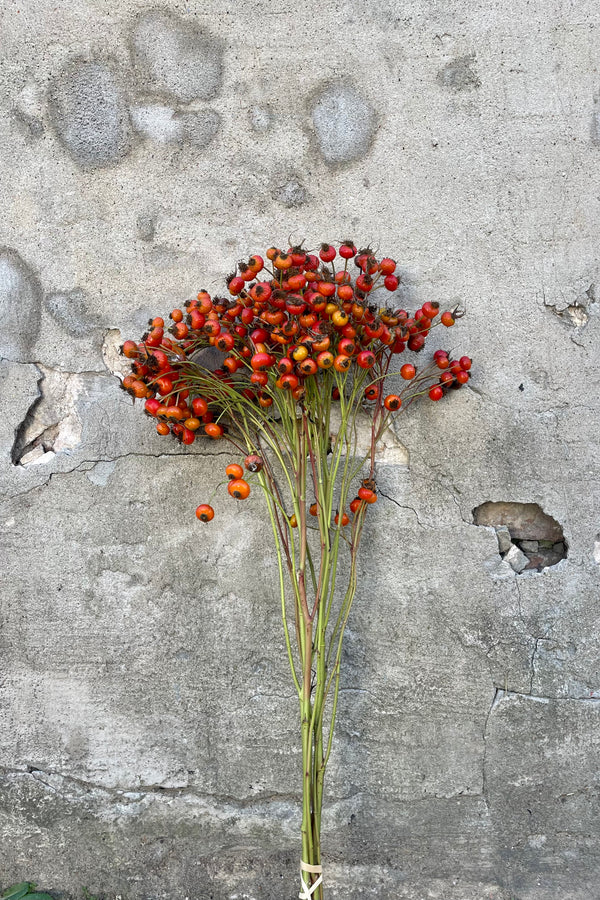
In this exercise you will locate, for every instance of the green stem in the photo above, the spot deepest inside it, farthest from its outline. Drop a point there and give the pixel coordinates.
(288, 642)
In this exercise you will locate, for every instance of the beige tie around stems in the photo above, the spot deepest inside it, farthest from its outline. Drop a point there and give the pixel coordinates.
(307, 892)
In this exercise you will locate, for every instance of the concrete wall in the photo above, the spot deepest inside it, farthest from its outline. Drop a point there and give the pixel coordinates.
(148, 741)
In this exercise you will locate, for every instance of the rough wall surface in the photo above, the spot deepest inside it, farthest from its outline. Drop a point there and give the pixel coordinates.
(148, 734)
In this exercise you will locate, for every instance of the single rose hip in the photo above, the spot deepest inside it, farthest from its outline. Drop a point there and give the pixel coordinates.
(387, 266)
(340, 318)
(262, 361)
(225, 342)
(327, 252)
(205, 513)
(431, 309)
(256, 263)
(287, 382)
(297, 282)
(367, 495)
(254, 463)
(416, 342)
(298, 256)
(130, 349)
(261, 291)
(392, 402)
(285, 365)
(347, 250)
(259, 336)
(325, 360)
(374, 333)
(307, 367)
(232, 364)
(345, 292)
(247, 272)
(365, 359)
(364, 283)
(342, 363)
(408, 371)
(326, 288)
(211, 327)
(346, 346)
(282, 261)
(204, 302)
(238, 488)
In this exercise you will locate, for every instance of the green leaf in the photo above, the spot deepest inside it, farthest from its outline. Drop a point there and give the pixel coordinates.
(17, 891)
(38, 895)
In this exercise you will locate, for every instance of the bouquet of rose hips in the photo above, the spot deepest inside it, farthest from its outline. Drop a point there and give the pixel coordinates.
(288, 368)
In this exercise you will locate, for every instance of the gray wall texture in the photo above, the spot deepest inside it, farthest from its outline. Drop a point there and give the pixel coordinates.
(148, 729)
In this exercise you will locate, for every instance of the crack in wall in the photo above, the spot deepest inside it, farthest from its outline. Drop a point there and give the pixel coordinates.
(544, 698)
(500, 695)
(444, 481)
(106, 459)
(403, 506)
(134, 792)
(20, 439)
(484, 780)
(537, 640)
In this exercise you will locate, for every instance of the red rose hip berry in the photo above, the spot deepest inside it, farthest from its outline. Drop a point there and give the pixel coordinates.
(205, 513)
(238, 488)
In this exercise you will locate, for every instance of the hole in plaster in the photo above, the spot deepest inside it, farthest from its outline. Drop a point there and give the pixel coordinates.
(528, 538)
(111, 355)
(209, 358)
(390, 451)
(51, 423)
(40, 449)
(577, 313)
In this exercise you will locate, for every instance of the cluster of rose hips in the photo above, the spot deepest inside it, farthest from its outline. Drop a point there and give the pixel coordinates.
(293, 318)
(237, 487)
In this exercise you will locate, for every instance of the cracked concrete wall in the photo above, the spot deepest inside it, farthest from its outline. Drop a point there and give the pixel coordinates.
(148, 734)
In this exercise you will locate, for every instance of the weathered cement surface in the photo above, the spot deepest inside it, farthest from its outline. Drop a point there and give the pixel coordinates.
(148, 733)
